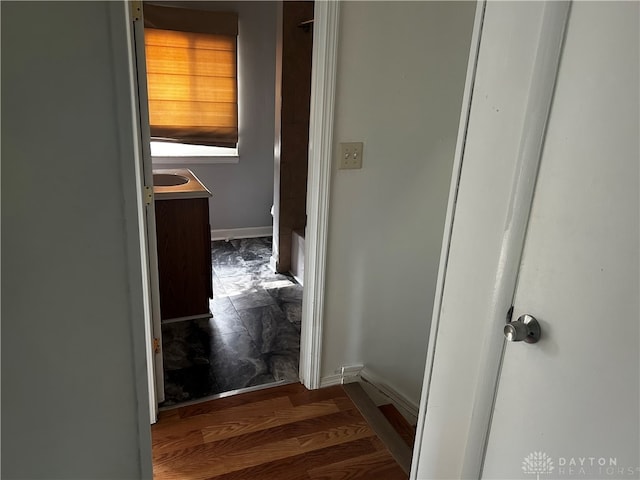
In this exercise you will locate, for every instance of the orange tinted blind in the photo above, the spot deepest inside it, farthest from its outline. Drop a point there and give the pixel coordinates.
(192, 85)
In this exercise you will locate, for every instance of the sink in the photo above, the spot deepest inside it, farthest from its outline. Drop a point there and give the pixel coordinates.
(168, 180)
(177, 183)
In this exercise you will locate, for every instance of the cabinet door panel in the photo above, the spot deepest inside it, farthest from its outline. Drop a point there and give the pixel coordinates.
(184, 257)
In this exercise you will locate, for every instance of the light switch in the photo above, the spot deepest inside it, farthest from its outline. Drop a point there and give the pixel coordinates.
(351, 155)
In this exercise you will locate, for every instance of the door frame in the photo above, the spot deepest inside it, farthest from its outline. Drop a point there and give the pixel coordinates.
(452, 436)
(143, 172)
(149, 243)
(323, 82)
(121, 27)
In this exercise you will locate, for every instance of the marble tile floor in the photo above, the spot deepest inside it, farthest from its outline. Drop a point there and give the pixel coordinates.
(254, 335)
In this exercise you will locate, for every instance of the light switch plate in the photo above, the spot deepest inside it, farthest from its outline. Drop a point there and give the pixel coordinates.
(351, 155)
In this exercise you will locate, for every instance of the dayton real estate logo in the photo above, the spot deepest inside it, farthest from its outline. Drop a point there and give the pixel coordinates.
(537, 463)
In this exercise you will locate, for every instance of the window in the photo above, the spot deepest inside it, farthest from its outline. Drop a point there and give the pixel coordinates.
(192, 83)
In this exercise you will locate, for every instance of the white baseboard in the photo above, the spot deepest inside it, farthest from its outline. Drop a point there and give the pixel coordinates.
(354, 373)
(346, 374)
(406, 407)
(330, 380)
(297, 257)
(249, 232)
(351, 372)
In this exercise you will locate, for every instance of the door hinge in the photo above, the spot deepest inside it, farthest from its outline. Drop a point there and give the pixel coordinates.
(136, 10)
(148, 195)
(156, 346)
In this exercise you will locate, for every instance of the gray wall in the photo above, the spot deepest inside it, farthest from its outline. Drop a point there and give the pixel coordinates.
(401, 76)
(243, 192)
(74, 401)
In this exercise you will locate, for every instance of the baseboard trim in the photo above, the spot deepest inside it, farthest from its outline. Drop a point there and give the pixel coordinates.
(399, 400)
(297, 256)
(249, 232)
(346, 374)
(355, 373)
(330, 380)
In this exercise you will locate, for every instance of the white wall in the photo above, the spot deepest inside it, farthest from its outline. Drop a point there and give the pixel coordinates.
(401, 75)
(243, 192)
(73, 370)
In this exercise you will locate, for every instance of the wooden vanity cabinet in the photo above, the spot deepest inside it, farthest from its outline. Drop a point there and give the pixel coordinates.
(184, 257)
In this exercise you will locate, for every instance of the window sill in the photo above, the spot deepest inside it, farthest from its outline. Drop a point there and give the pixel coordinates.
(195, 160)
(169, 153)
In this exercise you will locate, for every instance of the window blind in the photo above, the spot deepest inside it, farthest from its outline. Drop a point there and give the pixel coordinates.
(191, 58)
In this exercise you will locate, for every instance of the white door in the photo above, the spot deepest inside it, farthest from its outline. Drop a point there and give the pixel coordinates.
(568, 406)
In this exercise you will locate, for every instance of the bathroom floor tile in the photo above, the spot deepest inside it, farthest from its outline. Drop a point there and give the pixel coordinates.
(289, 294)
(253, 337)
(238, 284)
(253, 249)
(189, 384)
(289, 299)
(222, 324)
(250, 299)
(256, 256)
(218, 288)
(221, 305)
(185, 345)
(228, 269)
(270, 329)
(236, 360)
(225, 317)
(220, 248)
(284, 367)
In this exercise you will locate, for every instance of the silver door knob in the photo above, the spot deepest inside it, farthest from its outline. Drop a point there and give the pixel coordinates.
(526, 328)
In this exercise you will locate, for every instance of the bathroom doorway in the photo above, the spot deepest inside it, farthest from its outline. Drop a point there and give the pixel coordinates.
(185, 334)
(253, 338)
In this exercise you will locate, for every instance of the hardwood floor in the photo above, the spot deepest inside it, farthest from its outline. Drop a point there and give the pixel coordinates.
(281, 433)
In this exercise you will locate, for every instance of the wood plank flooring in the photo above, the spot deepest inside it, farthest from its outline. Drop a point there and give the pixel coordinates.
(281, 433)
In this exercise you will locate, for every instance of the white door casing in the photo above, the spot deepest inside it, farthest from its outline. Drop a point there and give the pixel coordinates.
(482, 256)
(134, 217)
(323, 84)
(148, 243)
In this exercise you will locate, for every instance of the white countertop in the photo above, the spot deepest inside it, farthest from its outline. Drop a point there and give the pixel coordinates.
(192, 189)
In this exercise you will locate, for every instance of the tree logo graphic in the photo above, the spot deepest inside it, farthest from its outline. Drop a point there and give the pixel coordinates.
(538, 463)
